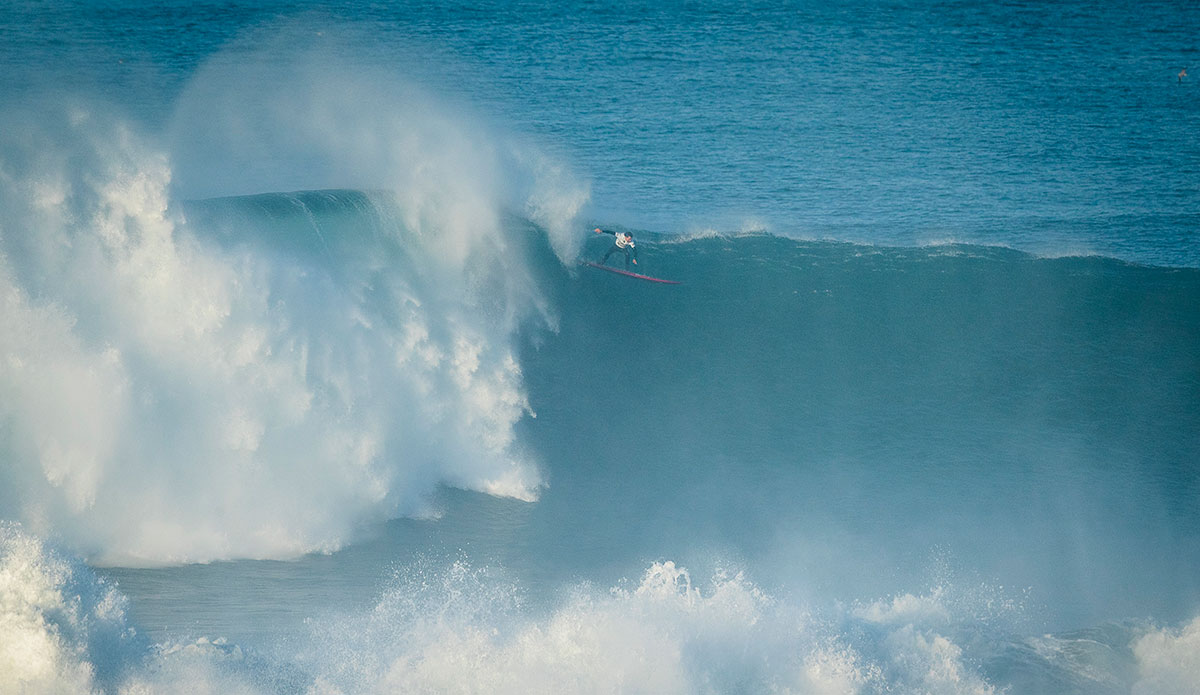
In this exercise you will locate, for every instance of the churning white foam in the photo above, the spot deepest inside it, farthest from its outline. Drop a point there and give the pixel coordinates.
(1169, 661)
(450, 630)
(465, 629)
(166, 398)
(61, 630)
(461, 631)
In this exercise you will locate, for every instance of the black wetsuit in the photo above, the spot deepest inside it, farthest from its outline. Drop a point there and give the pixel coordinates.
(626, 248)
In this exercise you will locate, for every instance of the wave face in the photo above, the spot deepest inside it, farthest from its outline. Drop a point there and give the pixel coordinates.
(852, 406)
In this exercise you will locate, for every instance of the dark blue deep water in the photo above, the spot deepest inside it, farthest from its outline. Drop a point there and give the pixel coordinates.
(304, 390)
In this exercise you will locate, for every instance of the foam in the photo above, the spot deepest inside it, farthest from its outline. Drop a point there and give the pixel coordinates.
(64, 630)
(170, 397)
(466, 630)
(61, 630)
(461, 631)
(460, 628)
(1168, 661)
(906, 609)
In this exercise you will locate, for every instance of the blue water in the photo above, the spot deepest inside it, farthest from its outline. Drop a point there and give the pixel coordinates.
(305, 391)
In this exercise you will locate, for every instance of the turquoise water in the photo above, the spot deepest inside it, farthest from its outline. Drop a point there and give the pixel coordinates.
(305, 390)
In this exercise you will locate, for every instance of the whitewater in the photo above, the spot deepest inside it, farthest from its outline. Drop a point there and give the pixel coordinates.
(304, 389)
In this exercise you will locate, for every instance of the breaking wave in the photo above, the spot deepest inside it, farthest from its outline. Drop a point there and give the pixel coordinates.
(175, 389)
(464, 629)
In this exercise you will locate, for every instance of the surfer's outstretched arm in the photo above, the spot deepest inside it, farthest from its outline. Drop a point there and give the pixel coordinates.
(604, 231)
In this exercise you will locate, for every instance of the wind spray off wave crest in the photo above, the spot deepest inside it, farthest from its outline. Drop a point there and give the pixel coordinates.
(286, 109)
(234, 383)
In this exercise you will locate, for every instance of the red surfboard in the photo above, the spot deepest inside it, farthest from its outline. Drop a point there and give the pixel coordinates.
(632, 275)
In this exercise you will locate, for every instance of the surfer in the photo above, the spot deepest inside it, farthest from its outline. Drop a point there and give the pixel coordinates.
(622, 242)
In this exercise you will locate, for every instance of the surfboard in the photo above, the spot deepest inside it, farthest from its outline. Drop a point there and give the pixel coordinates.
(618, 271)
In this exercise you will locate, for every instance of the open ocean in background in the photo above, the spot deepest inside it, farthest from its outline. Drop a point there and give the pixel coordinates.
(303, 388)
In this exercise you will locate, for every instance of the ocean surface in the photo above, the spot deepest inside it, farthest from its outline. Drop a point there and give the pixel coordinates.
(303, 388)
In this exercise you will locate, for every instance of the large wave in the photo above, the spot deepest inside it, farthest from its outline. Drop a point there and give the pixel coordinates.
(173, 392)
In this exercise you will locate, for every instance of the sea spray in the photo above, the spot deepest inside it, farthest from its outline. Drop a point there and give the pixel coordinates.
(462, 628)
(296, 106)
(1169, 661)
(61, 629)
(179, 393)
